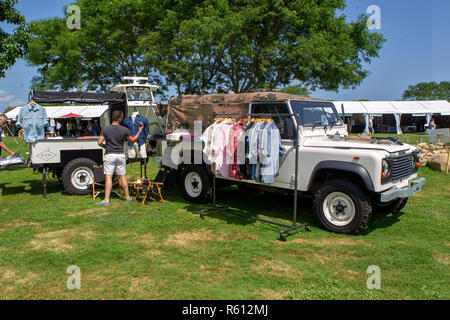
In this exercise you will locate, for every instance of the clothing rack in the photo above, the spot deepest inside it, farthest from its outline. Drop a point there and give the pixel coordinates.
(294, 225)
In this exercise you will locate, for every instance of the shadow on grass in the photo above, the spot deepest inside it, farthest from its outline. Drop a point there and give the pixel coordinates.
(34, 187)
(382, 221)
(267, 206)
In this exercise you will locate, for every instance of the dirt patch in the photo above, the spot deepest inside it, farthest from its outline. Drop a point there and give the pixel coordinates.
(61, 240)
(442, 258)
(148, 242)
(182, 210)
(333, 242)
(98, 211)
(275, 268)
(348, 274)
(19, 223)
(237, 235)
(190, 240)
(7, 274)
(267, 294)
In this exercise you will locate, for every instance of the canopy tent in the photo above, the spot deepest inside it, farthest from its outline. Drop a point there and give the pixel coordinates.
(56, 112)
(441, 107)
(350, 107)
(410, 107)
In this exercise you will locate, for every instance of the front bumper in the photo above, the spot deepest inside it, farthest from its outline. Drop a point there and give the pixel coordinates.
(392, 194)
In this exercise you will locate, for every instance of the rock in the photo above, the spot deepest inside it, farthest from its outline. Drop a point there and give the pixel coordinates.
(438, 162)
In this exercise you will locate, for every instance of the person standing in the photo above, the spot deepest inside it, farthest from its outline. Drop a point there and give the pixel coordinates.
(432, 125)
(114, 137)
(3, 120)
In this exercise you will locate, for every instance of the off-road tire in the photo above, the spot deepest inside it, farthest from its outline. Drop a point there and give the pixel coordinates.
(69, 169)
(362, 204)
(193, 177)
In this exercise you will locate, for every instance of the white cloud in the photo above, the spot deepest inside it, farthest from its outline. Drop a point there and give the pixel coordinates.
(9, 100)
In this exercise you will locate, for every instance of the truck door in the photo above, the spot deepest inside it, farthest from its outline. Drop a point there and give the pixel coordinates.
(288, 130)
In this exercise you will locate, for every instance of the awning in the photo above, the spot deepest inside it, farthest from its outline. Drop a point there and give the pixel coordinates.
(350, 107)
(72, 115)
(56, 112)
(379, 107)
(410, 107)
(441, 107)
(77, 97)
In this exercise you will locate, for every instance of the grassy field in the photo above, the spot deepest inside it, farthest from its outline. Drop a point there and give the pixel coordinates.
(165, 251)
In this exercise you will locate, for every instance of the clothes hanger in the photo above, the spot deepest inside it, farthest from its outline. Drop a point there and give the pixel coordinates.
(32, 102)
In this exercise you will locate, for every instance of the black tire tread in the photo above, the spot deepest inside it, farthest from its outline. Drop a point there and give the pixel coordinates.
(361, 200)
(66, 175)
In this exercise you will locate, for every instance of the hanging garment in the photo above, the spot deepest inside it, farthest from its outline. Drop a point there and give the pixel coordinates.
(220, 139)
(32, 119)
(243, 149)
(206, 138)
(133, 126)
(136, 151)
(232, 148)
(270, 149)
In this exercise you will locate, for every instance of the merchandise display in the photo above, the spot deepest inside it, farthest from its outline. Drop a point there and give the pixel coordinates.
(245, 149)
(33, 120)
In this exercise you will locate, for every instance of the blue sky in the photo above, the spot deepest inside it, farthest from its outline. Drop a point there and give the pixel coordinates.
(417, 49)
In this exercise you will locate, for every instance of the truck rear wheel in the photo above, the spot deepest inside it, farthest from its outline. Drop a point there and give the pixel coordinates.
(77, 176)
(195, 184)
(342, 207)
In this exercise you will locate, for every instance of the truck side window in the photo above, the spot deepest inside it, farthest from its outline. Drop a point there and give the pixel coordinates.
(285, 124)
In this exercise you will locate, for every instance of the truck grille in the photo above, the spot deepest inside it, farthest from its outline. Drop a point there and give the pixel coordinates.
(402, 166)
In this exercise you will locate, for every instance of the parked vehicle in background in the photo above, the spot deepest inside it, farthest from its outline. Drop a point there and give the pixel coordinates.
(348, 178)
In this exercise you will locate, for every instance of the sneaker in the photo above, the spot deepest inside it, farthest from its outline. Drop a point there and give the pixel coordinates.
(103, 203)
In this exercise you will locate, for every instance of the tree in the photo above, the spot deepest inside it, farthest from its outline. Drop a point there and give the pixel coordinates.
(230, 45)
(98, 54)
(296, 89)
(12, 45)
(428, 91)
(205, 46)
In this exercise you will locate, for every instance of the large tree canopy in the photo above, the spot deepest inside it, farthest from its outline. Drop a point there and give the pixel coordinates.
(206, 46)
(12, 45)
(428, 91)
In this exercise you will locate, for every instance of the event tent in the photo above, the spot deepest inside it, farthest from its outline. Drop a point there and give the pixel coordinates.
(86, 112)
(395, 108)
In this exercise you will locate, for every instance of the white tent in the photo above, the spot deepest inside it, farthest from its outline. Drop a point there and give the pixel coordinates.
(410, 107)
(86, 112)
(350, 107)
(440, 107)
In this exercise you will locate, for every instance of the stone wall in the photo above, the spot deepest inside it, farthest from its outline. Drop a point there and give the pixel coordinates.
(434, 155)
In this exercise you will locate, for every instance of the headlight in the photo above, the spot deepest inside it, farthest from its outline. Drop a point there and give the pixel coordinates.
(385, 170)
(416, 161)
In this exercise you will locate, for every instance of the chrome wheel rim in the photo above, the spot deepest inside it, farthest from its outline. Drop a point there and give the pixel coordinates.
(339, 209)
(193, 184)
(82, 178)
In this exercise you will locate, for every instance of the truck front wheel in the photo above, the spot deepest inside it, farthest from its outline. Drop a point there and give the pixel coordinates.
(77, 176)
(342, 207)
(195, 184)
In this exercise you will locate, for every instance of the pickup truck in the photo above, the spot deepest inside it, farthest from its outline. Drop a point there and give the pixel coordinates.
(347, 177)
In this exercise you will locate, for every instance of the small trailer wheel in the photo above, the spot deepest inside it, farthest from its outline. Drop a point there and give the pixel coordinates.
(77, 176)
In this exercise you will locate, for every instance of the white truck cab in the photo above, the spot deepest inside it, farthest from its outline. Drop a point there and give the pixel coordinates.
(348, 177)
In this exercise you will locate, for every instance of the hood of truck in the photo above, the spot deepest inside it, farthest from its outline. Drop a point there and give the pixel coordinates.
(355, 144)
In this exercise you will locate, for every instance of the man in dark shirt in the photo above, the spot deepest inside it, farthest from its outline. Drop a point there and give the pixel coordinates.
(114, 160)
(3, 120)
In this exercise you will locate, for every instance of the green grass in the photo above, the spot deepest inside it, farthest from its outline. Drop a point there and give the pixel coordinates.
(415, 138)
(165, 251)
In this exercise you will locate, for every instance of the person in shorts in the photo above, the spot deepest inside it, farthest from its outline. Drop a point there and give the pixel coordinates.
(112, 139)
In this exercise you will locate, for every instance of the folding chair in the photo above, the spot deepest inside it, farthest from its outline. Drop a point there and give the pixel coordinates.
(148, 187)
(100, 179)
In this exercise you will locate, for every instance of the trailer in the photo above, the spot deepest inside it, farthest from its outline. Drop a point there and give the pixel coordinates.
(72, 160)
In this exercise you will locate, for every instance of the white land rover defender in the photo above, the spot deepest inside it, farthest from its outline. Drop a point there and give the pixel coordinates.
(348, 177)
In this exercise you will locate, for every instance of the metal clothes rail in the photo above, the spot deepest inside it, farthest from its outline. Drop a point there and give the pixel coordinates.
(294, 225)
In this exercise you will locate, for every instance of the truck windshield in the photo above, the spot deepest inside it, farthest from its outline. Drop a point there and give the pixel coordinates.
(316, 114)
